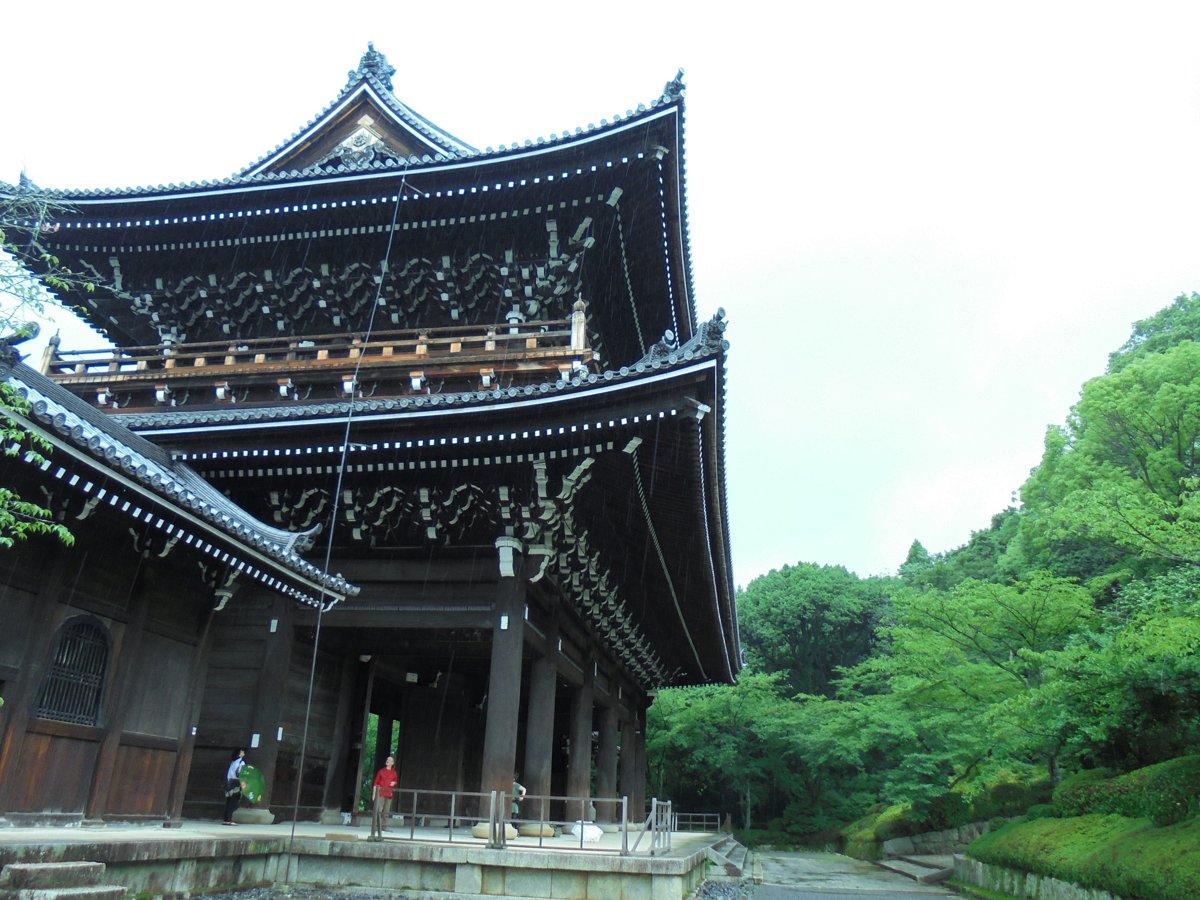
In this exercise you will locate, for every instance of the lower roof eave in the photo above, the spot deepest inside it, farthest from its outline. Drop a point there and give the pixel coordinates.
(285, 575)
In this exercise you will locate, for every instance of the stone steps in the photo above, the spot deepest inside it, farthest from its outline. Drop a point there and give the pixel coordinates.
(57, 881)
(926, 869)
(731, 856)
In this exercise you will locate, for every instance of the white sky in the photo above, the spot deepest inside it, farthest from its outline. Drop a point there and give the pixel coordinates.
(928, 223)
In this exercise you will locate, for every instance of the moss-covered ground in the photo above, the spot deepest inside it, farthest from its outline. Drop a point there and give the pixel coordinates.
(1128, 857)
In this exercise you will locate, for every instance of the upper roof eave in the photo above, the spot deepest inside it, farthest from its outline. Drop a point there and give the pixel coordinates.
(670, 102)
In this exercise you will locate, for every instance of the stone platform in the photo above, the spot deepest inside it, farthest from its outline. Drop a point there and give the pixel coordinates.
(198, 857)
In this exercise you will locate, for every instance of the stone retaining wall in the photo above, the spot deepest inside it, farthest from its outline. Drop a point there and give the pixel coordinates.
(182, 868)
(1016, 883)
(952, 840)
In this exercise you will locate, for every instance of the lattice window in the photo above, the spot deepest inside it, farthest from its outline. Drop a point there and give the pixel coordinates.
(75, 682)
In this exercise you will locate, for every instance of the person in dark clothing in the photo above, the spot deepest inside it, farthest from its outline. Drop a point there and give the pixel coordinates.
(233, 784)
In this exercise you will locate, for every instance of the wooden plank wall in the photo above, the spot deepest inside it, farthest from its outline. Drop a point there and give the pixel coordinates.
(50, 766)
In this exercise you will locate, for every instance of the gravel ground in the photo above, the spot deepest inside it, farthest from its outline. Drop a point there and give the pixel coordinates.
(725, 890)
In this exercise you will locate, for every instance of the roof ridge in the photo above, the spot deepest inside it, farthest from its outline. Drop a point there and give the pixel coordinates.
(368, 75)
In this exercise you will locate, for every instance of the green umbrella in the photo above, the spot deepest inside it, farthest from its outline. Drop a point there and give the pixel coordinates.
(254, 786)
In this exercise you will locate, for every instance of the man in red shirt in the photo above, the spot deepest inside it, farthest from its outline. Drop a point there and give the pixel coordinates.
(386, 781)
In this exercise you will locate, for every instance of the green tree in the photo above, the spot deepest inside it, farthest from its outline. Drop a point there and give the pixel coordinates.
(1124, 471)
(1131, 687)
(807, 621)
(1169, 326)
(959, 680)
(980, 559)
(724, 746)
(23, 215)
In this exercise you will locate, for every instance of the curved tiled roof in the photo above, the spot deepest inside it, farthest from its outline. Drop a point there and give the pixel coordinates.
(120, 450)
(369, 76)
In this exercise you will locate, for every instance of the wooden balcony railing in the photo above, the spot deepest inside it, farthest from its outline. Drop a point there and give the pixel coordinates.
(399, 361)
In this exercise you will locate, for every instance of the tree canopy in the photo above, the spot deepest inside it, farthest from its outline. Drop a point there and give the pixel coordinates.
(1065, 634)
(807, 621)
(23, 297)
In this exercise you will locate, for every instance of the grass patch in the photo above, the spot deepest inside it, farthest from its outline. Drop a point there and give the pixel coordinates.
(980, 893)
(1128, 857)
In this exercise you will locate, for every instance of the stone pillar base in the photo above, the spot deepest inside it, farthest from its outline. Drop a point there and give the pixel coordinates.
(250, 816)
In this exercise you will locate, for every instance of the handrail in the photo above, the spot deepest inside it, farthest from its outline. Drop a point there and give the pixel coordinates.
(462, 810)
(585, 805)
(706, 822)
(658, 823)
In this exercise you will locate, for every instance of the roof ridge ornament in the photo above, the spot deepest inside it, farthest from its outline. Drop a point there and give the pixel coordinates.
(8, 342)
(373, 63)
(663, 349)
(673, 90)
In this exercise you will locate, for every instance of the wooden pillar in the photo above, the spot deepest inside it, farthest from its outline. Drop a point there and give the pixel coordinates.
(637, 796)
(368, 687)
(539, 736)
(125, 658)
(269, 699)
(628, 765)
(383, 739)
(606, 766)
(579, 765)
(333, 797)
(191, 718)
(504, 677)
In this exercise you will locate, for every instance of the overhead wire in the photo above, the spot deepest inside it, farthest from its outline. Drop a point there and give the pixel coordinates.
(335, 508)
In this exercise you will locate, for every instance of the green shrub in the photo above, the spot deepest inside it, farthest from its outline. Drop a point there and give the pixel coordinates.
(1073, 797)
(763, 837)
(826, 838)
(1042, 811)
(995, 824)
(1165, 793)
(1011, 798)
(947, 811)
(897, 821)
(863, 838)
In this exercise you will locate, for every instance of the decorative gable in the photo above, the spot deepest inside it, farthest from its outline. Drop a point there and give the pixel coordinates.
(365, 125)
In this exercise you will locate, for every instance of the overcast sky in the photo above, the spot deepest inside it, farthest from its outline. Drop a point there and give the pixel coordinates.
(928, 223)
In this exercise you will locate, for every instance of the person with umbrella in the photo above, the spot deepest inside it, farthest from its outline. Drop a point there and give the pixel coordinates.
(233, 784)
(518, 794)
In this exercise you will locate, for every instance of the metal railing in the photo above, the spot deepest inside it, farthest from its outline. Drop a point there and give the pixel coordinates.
(701, 822)
(658, 826)
(458, 817)
(454, 816)
(541, 827)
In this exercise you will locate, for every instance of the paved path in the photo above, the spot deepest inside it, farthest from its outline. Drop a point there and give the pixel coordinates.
(831, 876)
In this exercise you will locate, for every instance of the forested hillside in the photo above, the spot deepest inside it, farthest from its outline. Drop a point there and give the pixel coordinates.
(1065, 635)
